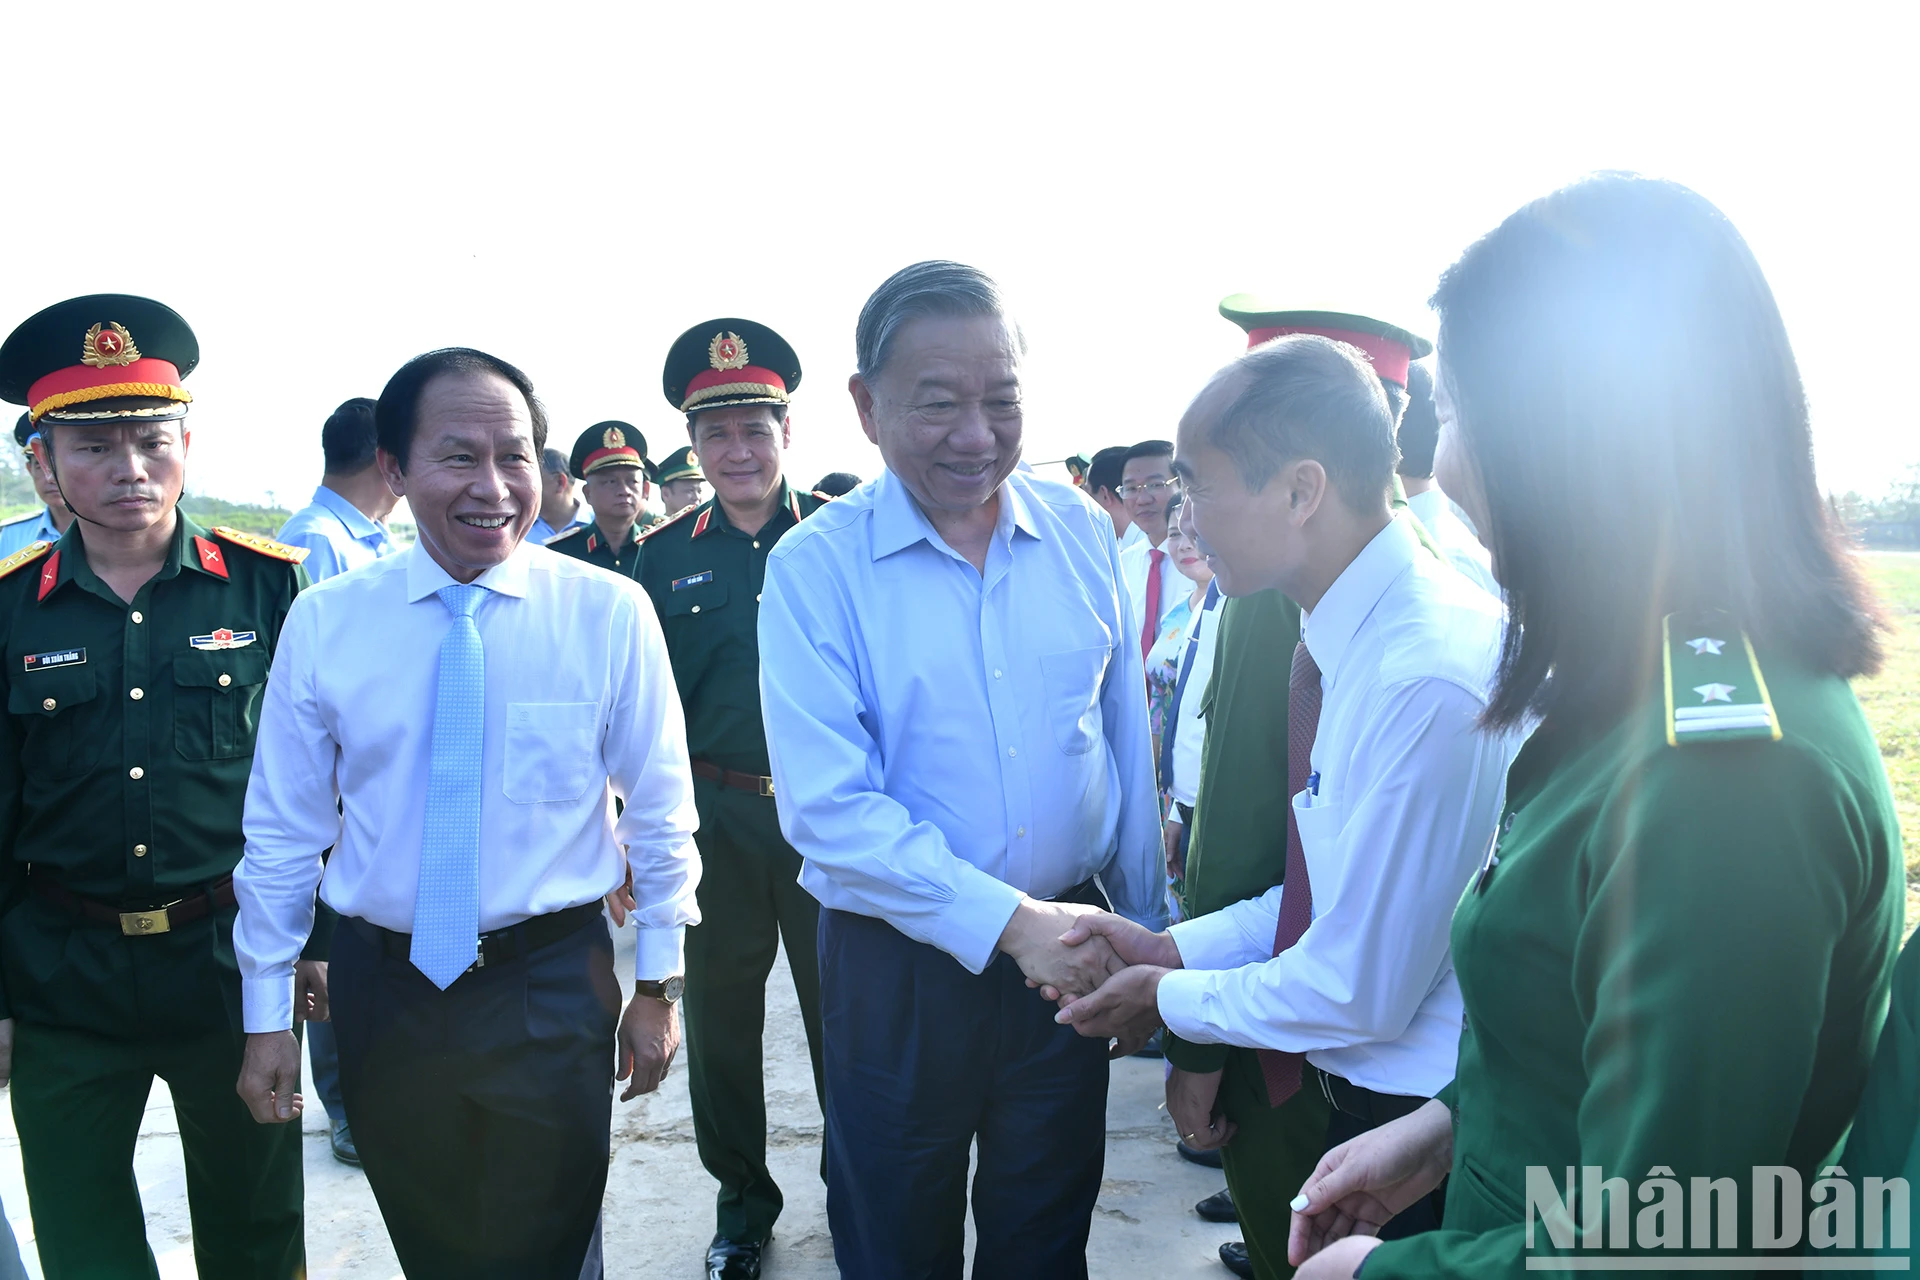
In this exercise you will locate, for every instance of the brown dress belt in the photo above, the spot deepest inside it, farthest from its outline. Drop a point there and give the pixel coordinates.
(753, 782)
(139, 924)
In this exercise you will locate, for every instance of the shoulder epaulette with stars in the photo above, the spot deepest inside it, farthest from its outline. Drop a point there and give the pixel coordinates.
(24, 556)
(668, 523)
(265, 546)
(1714, 689)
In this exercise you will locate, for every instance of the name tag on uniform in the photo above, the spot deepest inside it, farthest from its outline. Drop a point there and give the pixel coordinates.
(55, 658)
(693, 580)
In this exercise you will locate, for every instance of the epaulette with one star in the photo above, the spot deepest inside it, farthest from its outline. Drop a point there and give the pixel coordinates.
(1714, 689)
(265, 546)
(668, 523)
(24, 556)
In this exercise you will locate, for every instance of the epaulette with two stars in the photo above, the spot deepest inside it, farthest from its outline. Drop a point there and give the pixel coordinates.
(264, 546)
(668, 523)
(1714, 689)
(24, 556)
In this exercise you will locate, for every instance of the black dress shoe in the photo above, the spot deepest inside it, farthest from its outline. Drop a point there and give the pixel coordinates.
(1211, 1159)
(735, 1259)
(340, 1138)
(1233, 1256)
(1218, 1207)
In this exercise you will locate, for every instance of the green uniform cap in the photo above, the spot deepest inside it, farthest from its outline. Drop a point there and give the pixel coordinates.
(729, 361)
(1390, 347)
(104, 356)
(681, 464)
(608, 444)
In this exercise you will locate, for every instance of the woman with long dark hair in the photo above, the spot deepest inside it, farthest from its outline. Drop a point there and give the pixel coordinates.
(1675, 959)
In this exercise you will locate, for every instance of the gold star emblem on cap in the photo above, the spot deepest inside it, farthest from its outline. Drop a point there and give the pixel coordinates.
(615, 438)
(727, 351)
(111, 345)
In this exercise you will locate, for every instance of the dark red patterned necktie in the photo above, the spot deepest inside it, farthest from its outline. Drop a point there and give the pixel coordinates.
(1282, 1070)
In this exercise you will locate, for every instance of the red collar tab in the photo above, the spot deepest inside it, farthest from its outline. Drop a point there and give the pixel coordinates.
(1390, 358)
(593, 543)
(793, 505)
(212, 559)
(49, 575)
(700, 525)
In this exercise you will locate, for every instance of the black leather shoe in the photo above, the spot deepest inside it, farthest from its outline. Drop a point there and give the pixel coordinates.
(1211, 1159)
(341, 1139)
(1233, 1256)
(1218, 1207)
(735, 1259)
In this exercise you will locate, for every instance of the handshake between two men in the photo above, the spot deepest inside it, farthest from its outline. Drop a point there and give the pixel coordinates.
(1102, 970)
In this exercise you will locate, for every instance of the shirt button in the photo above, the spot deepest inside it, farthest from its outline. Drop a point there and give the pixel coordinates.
(695, 609)
(137, 616)
(136, 694)
(1013, 751)
(139, 851)
(136, 773)
(996, 673)
(756, 544)
(1022, 831)
(225, 679)
(48, 705)
(756, 597)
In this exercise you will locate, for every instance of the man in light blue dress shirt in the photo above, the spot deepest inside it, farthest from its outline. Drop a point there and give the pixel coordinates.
(561, 511)
(37, 526)
(345, 526)
(951, 690)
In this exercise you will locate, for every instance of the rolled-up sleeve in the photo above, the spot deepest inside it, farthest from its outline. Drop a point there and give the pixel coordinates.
(829, 774)
(292, 817)
(645, 747)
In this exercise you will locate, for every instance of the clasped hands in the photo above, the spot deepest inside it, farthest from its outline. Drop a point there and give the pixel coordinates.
(1102, 970)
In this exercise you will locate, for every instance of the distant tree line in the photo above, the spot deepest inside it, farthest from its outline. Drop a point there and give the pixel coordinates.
(18, 497)
(1890, 520)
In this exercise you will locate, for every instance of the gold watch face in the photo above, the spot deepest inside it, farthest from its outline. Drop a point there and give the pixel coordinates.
(671, 989)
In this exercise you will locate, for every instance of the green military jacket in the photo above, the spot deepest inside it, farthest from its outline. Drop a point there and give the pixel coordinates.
(589, 544)
(1675, 960)
(124, 760)
(1238, 846)
(704, 576)
(1886, 1134)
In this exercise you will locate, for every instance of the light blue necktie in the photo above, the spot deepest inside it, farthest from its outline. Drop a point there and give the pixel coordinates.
(446, 905)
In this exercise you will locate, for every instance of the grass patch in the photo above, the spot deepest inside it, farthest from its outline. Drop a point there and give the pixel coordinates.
(1892, 701)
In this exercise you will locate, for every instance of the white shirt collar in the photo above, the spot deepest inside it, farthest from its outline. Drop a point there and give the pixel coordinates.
(1330, 628)
(425, 576)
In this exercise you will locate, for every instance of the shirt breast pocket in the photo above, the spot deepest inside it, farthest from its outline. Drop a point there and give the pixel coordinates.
(694, 602)
(216, 708)
(62, 710)
(1320, 826)
(1073, 679)
(551, 750)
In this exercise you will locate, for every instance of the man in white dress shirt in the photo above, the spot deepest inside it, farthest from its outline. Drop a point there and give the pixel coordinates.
(1153, 584)
(1419, 434)
(472, 982)
(1286, 458)
(959, 738)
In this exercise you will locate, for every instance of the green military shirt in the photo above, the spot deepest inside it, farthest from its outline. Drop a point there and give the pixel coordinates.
(1886, 1134)
(589, 544)
(1238, 846)
(123, 772)
(704, 576)
(1677, 956)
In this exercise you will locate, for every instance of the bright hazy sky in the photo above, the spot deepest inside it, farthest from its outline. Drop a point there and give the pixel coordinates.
(326, 190)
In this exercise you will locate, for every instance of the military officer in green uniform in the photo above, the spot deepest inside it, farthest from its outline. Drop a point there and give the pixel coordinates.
(703, 569)
(1676, 955)
(680, 481)
(610, 459)
(133, 656)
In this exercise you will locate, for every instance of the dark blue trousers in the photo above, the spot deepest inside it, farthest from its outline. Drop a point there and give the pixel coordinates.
(923, 1060)
(482, 1111)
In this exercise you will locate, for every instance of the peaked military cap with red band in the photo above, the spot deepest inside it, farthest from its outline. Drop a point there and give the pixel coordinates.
(729, 361)
(106, 356)
(608, 444)
(1390, 347)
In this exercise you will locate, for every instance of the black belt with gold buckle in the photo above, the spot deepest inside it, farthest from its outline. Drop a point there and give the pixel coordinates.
(142, 922)
(754, 783)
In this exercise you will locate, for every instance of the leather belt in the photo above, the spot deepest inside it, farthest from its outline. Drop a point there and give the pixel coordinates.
(1369, 1106)
(144, 922)
(514, 942)
(753, 782)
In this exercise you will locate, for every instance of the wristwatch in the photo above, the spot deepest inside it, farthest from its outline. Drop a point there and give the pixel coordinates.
(665, 990)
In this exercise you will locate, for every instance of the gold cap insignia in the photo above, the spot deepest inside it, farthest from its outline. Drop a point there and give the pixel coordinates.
(110, 346)
(727, 351)
(614, 439)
